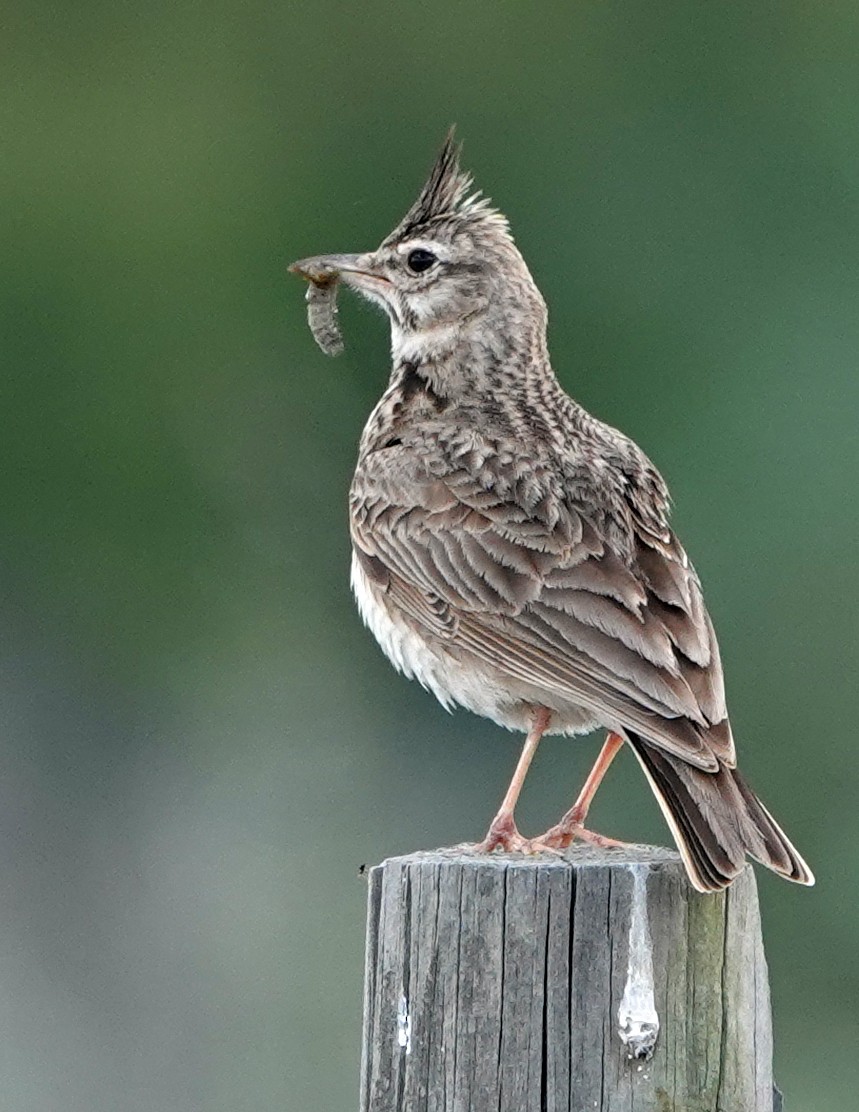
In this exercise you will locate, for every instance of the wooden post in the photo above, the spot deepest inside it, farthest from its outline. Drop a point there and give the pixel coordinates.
(596, 982)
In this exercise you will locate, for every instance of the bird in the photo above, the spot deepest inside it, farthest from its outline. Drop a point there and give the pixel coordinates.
(514, 554)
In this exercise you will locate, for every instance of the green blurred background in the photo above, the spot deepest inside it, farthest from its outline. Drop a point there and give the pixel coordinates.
(199, 742)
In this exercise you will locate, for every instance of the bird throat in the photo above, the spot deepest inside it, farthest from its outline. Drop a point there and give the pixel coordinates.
(481, 383)
(415, 383)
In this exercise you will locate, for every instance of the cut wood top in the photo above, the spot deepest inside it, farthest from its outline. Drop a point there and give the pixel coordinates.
(575, 857)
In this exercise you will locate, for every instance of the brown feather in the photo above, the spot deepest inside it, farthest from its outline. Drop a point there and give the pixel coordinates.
(512, 551)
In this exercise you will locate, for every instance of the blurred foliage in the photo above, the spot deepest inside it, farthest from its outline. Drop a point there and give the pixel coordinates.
(200, 744)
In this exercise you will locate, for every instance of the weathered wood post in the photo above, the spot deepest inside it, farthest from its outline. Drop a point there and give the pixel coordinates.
(596, 982)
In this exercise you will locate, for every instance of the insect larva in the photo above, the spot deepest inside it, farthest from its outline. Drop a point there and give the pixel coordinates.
(322, 314)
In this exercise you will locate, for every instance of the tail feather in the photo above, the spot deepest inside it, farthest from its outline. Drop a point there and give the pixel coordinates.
(716, 820)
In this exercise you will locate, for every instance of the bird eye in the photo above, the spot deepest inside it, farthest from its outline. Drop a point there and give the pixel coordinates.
(420, 260)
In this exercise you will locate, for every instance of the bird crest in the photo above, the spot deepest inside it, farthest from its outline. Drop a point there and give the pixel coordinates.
(447, 197)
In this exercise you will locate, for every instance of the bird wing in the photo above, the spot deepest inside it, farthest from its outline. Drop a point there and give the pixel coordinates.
(607, 612)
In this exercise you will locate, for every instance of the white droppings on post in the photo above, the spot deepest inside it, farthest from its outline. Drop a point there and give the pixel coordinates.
(404, 1026)
(636, 1016)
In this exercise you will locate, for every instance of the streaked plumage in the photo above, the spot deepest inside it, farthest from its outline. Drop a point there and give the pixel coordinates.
(512, 552)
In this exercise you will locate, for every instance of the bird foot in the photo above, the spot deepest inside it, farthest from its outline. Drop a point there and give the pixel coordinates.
(504, 835)
(565, 833)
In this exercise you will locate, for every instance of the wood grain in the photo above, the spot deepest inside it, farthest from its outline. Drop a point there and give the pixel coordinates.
(493, 983)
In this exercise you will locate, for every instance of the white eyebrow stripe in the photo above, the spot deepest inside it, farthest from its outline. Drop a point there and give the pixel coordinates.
(437, 249)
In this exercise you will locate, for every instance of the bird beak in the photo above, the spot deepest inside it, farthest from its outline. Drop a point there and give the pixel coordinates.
(355, 270)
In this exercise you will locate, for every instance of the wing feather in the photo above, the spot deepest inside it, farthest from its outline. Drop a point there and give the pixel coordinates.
(527, 582)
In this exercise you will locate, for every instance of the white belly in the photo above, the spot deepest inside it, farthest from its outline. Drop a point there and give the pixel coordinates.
(451, 681)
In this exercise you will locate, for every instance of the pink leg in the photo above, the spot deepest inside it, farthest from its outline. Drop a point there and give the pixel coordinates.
(571, 825)
(502, 833)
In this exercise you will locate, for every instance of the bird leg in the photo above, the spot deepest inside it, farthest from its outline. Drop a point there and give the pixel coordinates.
(503, 833)
(571, 826)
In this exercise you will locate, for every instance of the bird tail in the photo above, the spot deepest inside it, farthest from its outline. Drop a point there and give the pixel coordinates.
(716, 820)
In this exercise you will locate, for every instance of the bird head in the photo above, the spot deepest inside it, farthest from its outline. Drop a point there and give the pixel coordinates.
(448, 272)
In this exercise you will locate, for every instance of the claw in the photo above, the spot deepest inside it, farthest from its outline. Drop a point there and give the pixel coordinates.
(503, 834)
(564, 834)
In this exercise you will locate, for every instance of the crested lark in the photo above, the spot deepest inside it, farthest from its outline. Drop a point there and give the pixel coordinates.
(513, 553)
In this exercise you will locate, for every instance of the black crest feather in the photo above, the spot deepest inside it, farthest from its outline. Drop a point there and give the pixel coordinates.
(446, 194)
